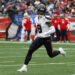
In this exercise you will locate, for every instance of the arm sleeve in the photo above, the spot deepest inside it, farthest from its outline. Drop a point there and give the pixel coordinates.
(52, 30)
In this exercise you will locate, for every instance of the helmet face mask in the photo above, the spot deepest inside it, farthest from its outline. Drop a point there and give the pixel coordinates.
(41, 9)
(41, 12)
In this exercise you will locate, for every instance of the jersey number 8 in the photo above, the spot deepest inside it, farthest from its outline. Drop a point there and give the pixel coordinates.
(39, 28)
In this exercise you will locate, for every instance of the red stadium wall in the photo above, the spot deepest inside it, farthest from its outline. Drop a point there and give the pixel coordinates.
(4, 23)
(72, 23)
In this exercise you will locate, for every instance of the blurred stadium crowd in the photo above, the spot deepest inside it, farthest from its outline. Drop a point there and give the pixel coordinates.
(19, 7)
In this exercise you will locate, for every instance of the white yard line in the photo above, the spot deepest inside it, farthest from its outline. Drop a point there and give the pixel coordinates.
(32, 56)
(15, 42)
(7, 62)
(10, 65)
(10, 52)
(28, 48)
(11, 56)
(19, 56)
(13, 62)
(30, 42)
(36, 64)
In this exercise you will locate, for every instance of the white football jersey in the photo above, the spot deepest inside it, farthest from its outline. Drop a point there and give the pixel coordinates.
(42, 26)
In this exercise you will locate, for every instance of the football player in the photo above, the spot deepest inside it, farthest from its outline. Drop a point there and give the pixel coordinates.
(43, 37)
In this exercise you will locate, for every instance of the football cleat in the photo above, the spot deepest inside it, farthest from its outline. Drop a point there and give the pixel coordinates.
(62, 51)
(23, 69)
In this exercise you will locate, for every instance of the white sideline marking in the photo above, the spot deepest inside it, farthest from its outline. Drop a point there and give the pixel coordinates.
(32, 56)
(11, 56)
(10, 65)
(10, 53)
(39, 48)
(30, 42)
(13, 62)
(56, 63)
(19, 56)
(36, 64)
(7, 62)
(21, 65)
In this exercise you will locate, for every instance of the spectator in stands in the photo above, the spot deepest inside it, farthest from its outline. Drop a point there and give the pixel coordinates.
(2, 6)
(63, 27)
(1, 12)
(43, 1)
(50, 7)
(57, 11)
(61, 7)
(67, 10)
(20, 7)
(6, 1)
(56, 5)
(72, 3)
(11, 10)
(66, 1)
(55, 22)
(31, 8)
(3, 3)
(24, 5)
(37, 2)
(73, 11)
(23, 2)
(10, 2)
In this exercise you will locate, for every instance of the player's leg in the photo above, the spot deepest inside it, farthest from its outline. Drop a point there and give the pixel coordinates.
(28, 34)
(48, 46)
(33, 47)
(57, 34)
(50, 51)
(62, 35)
(66, 35)
(22, 34)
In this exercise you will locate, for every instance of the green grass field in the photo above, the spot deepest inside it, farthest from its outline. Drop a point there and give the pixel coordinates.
(12, 56)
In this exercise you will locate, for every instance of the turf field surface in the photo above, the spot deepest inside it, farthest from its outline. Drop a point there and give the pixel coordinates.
(12, 56)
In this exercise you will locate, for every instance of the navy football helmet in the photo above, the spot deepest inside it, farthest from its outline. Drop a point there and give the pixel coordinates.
(42, 8)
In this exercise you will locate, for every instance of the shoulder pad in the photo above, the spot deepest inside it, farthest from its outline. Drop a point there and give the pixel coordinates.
(48, 17)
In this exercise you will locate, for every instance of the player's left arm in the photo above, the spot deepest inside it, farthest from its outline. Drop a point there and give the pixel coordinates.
(51, 30)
